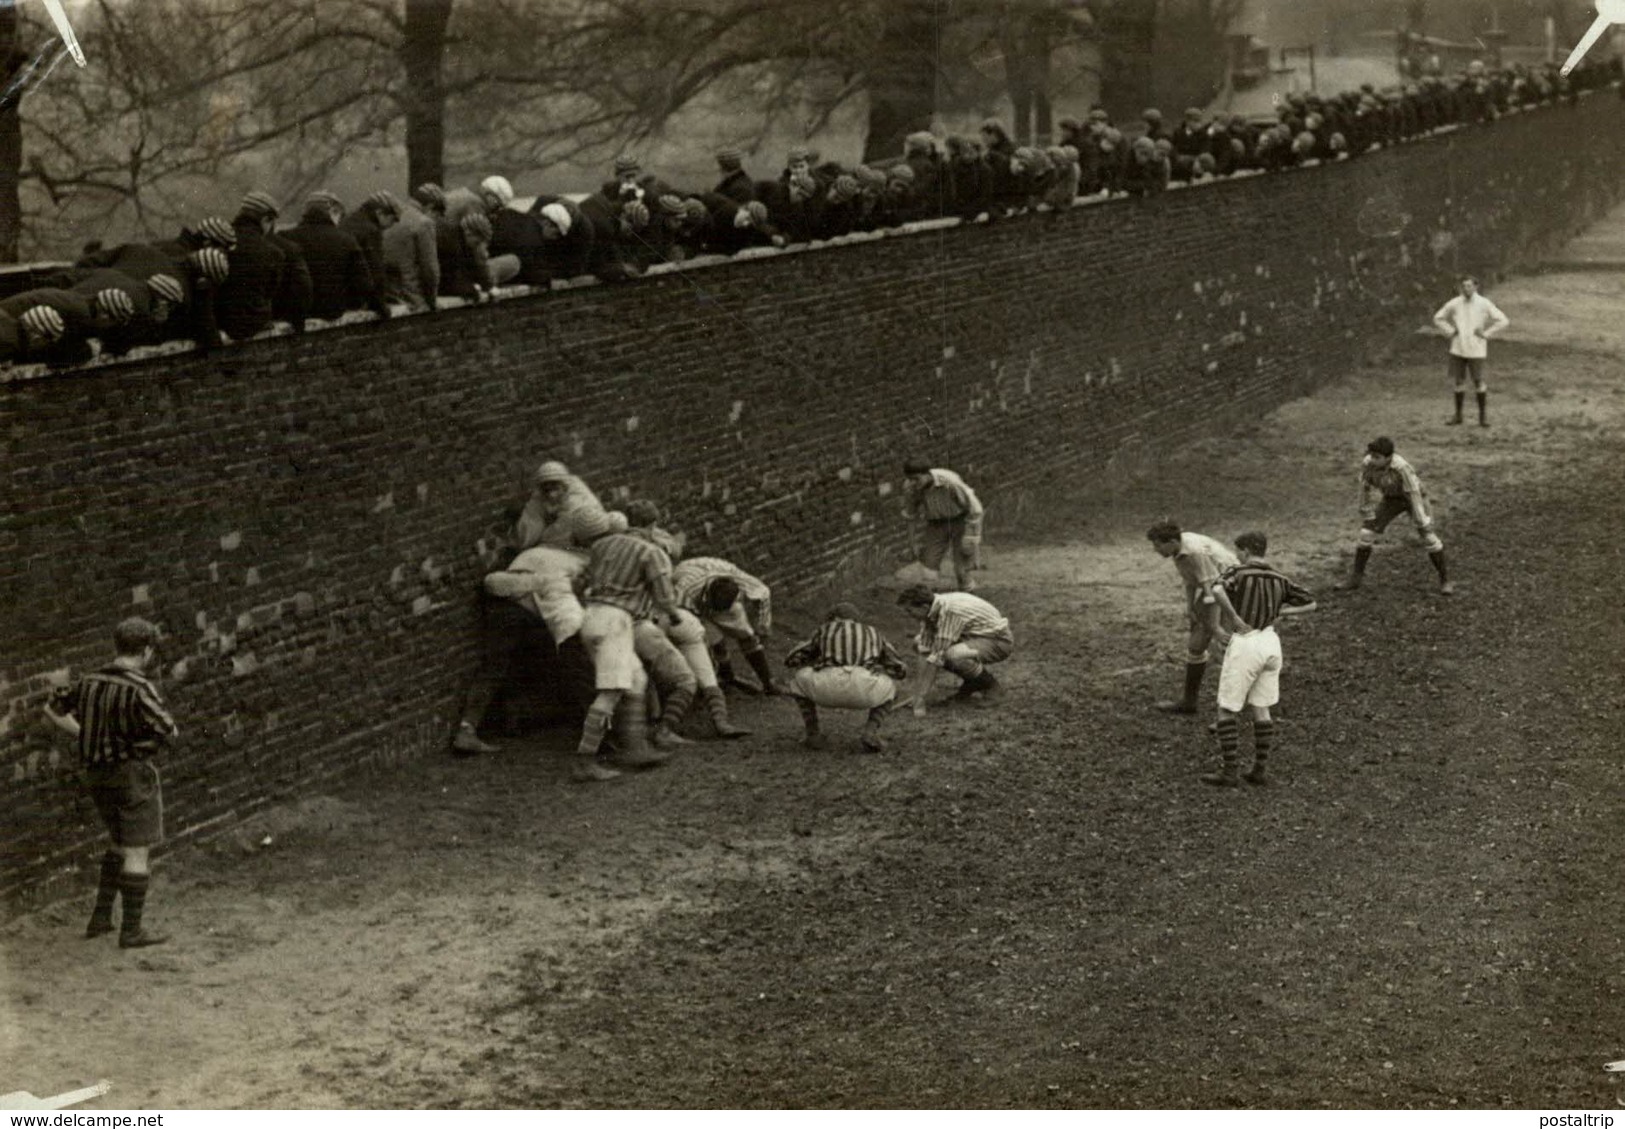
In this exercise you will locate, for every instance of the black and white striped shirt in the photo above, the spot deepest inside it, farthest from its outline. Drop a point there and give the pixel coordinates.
(1258, 593)
(846, 642)
(120, 715)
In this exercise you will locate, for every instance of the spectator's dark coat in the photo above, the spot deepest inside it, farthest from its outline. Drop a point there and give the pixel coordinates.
(296, 290)
(518, 234)
(340, 278)
(571, 255)
(247, 299)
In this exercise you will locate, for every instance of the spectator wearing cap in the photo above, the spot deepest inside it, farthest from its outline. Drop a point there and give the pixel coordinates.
(412, 253)
(624, 186)
(21, 343)
(121, 321)
(736, 183)
(930, 184)
(339, 275)
(566, 239)
(57, 325)
(463, 246)
(1004, 190)
(618, 228)
(247, 301)
(897, 204)
(178, 276)
(840, 209)
(1063, 186)
(431, 198)
(1033, 174)
(967, 176)
(496, 196)
(211, 231)
(153, 301)
(1147, 172)
(1154, 128)
(492, 193)
(1190, 137)
(731, 227)
(377, 214)
(517, 248)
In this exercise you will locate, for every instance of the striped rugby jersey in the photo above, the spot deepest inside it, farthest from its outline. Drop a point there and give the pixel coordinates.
(691, 576)
(1258, 592)
(629, 573)
(120, 715)
(846, 642)
(1396, 480)
(955, 615)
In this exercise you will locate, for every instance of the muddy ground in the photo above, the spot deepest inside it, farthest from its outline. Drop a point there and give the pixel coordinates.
(1034, 905)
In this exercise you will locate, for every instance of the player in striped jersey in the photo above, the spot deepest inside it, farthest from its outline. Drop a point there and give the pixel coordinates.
(120, 722)
(958, 632)
(952, 514)
(1199, 560)
(628, 579)
(1390, 487)
(846, 665)
(717, 591)
(1250, 597)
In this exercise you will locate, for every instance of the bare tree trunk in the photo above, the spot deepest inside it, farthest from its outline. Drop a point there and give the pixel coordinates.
(12, 60)
(1128, 31)
(903, 80)
(423, 53)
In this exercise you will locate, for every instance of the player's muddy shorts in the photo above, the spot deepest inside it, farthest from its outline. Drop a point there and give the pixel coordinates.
(130, 799)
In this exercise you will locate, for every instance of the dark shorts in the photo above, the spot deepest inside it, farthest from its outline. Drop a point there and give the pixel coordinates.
(1464, 368)
(1387, 510)
(130, 799)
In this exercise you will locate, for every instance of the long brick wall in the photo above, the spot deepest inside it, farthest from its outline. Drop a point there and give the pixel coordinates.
(307, 516)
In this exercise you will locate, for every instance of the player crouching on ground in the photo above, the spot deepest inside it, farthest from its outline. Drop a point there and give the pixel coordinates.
(717, 591)
(1199, 560)
(846, 665)
(962, 633)
(1389, 487)
(1250, 597)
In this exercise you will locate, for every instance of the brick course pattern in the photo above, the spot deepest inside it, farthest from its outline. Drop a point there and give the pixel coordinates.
(308, 517)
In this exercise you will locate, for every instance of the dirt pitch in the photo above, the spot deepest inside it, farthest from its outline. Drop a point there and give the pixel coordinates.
(1037, 905)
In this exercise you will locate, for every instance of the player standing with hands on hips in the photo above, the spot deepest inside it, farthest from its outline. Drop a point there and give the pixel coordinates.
(1469, 320)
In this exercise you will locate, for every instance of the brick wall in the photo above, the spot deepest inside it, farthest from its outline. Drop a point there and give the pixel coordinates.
(306, 516)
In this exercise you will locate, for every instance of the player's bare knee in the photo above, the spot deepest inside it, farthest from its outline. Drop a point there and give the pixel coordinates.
(1196, 657)
(1432, 541)
(1368, 537)
(1261, 713)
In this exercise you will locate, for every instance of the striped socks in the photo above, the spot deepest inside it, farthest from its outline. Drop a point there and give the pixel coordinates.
(593, 730)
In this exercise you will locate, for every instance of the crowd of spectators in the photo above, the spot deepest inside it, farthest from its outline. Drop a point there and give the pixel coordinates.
(221, 280)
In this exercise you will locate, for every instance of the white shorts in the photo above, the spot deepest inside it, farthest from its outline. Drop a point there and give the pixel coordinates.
(842, 687)
(606, 632)
(731, 623)
(1251, 673)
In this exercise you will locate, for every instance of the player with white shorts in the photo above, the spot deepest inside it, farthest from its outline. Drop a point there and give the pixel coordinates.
(1251, 596)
